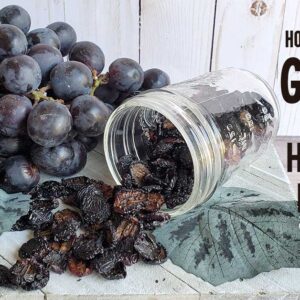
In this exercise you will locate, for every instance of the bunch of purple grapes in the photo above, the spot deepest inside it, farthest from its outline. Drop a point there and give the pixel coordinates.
(54, 100)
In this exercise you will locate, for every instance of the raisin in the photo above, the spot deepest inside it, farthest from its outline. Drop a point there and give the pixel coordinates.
(87, 247)
(93, 205)
(138, 171)
(40, 218)
(127, 181)
(124, 163)
(43, 204)
(22, 223)
(118, 272)
(76, 183)
(132, 201)
(65, 225)
(36, 248)
(152, 220)
(56, 261)
(126, 252)
(126, 229)
(5, 276)
(149, 249)
(48, 189)
(79, 268)
(105, 262)
(29, 274)
(45, 232)
(167, 124)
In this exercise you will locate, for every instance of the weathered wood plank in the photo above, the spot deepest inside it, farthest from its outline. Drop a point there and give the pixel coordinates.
(113, 25)
(247, 36)
(177, 36)
(42, 12)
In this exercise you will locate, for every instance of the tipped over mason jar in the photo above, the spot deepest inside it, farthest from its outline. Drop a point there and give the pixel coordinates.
(187, 139)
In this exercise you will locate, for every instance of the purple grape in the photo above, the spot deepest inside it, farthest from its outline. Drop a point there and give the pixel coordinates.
(63, 160)
(10, 146)
(14, 111)
(71, 79)
(43, 36)
(155, 79)
(126, 75)
(89, 142)
(20, 74)
(17, 16)
(18, 174)
(66, 35)
(89, 54)
(89, 115)
(12, 41)
(47, 57)
(49, 123)
(107, 94)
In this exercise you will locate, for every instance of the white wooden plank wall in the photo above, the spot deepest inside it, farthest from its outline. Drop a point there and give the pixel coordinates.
(185, 37)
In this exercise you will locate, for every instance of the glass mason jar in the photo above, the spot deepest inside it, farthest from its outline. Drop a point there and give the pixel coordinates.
(227, 119)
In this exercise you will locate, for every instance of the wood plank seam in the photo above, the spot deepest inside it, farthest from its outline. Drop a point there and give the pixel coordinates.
(279, 46)
(173, 274)
(213, 36)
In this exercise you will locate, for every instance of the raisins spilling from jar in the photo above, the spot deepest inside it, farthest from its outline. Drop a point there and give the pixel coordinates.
(103, 232)
(165, 177)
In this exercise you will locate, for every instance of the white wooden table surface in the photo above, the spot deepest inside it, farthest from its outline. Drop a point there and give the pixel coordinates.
(167, 281)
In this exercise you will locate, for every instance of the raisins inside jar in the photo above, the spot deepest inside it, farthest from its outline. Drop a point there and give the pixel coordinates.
(195, 134)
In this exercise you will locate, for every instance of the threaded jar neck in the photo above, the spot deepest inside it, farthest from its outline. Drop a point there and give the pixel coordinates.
(123, 136)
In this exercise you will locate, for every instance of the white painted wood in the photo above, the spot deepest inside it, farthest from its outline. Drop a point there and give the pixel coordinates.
(176, 36)
(113, 25)
(42, 12)
(247, 41)
(290, 121)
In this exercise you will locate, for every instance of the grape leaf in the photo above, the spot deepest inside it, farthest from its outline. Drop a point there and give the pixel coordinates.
(12, 207)
(238, 233)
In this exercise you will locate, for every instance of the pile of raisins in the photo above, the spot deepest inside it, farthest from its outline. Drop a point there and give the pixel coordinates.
(166, 174)
(104, 230)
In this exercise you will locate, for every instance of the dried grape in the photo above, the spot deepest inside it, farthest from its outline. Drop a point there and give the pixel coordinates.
(29, 274)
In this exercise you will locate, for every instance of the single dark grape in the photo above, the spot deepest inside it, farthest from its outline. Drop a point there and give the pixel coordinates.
(107, 94)
(47, 57)
(63, 160)
(155, 79)
(89, 142)
(66, 35)
(14, 111)
(49, 123)
(89, 115)
(17, 16)
(89, 54)
(43, 36)
(126, 75)
(71, 79)
(12, 41)
(10, 146)
(18, 174)
(110, 107)
(20, 74)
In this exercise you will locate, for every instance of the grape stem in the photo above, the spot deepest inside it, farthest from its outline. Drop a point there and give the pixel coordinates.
(40, 94)
(98, 80)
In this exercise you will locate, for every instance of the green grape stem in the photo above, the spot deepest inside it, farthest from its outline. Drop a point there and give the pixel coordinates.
(41, 94)
(98, 80)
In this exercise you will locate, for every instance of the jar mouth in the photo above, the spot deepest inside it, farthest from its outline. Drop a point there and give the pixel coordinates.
(123, 136)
